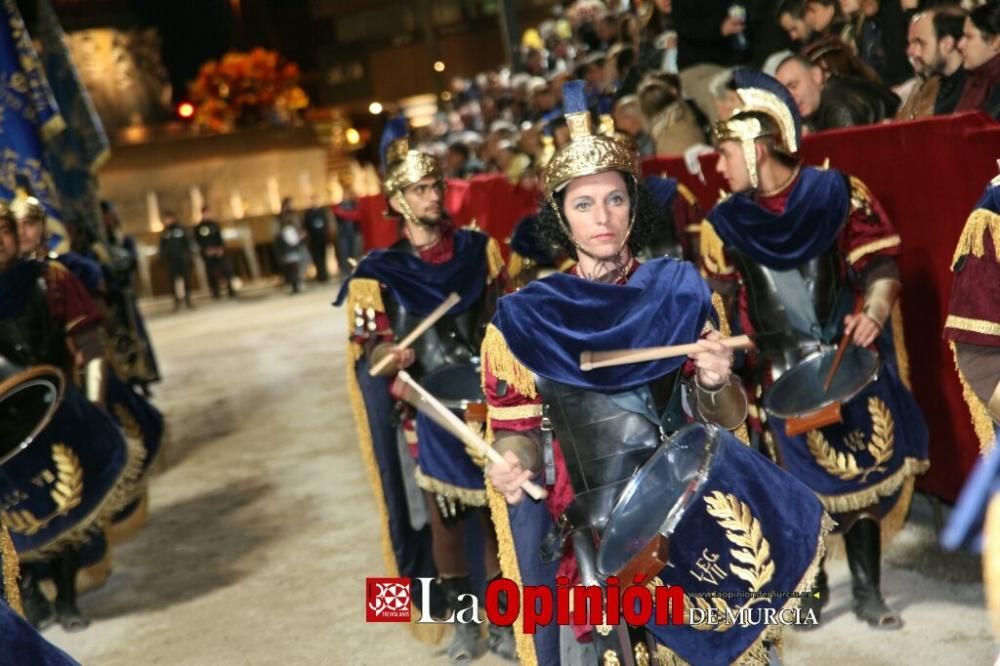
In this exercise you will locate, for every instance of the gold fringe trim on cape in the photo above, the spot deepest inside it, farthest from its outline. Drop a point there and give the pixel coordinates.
(869, 496)
(466, 496)
(991, 561)
(981, 420)
(494, 260)
(973, 238)
(741, 432)
(756, 654)
(127, 528)
(713, 253)
(11, 572)
(899, 342)
(509, 566)
(889, 526)
(362, 293)
(863, 251)
(501, 362)
(515, 265)
(425, 633)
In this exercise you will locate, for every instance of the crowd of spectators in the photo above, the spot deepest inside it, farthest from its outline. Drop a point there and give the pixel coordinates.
(662, 71)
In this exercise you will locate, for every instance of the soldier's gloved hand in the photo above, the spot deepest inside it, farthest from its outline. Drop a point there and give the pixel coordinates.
(401, 358)
(508, 476)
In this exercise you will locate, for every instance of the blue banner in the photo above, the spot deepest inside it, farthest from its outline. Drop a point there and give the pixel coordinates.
(29, 114)
(76, 154)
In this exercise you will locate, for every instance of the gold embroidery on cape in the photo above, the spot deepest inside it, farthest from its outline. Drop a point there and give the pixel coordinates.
(862, 251)
(66, 494)
(750, 554)
(981, 326)
(641, 655)
(611, 659)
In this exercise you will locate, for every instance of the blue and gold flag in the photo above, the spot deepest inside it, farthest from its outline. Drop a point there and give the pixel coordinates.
(76, 154)
(29, 114)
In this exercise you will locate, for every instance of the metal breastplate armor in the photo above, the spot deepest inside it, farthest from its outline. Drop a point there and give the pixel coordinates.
(603, 445)
(791, 309)
(453, 340)
(33, 336)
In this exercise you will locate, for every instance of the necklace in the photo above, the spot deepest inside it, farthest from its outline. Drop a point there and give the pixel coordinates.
(791, 178)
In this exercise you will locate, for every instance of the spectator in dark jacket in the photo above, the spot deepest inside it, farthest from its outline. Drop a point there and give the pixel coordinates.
(828, 102)
(879, 28)
(709, 33)
(176, 250)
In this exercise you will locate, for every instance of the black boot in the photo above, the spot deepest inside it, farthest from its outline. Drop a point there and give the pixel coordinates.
(501, 639)
(64, 569)
(465, 644)
(864, 554)
(819, 596)
(37, 609)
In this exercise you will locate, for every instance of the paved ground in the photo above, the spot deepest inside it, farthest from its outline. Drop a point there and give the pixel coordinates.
(262, 528)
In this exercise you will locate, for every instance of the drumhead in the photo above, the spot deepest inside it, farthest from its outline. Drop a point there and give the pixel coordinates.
(657, 496)
(27, 401)
(456, 386)
(800, 390)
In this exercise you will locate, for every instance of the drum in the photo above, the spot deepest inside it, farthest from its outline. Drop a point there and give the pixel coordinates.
(656, 498)
(455, 386)
(799, 391)
(28, 399)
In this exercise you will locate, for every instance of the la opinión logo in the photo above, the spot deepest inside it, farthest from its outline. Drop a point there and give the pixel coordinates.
(387, 599)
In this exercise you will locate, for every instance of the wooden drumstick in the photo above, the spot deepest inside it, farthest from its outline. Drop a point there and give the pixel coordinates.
(845, 342)
(591, 360)
(428, 404)
(431, 319)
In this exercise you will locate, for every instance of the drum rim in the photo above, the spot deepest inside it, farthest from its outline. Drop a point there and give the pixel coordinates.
(46, 375)
(674, 516)
(847, 398)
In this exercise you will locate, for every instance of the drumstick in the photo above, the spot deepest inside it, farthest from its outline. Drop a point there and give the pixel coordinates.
(845, 342)
(431, 319)
(428, 404)
(590, 360)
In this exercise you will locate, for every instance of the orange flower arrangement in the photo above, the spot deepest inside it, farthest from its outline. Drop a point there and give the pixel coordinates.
(247, 88)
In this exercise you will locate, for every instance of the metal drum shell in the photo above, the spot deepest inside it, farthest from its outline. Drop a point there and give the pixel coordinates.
(14, 380)
(799, 391)
(644, 508)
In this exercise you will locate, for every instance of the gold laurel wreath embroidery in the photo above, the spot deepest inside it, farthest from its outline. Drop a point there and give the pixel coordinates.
(750, 548)
(844, 465)
(66, 493)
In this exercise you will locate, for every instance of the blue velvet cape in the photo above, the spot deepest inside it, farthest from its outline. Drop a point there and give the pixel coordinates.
(815, 213)
(419, 286)
(548, 323)
(662, 190)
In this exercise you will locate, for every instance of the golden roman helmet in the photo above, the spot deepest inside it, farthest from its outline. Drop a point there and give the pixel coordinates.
(587, 152)
(764, 95)
(401, 165)
(27, 207)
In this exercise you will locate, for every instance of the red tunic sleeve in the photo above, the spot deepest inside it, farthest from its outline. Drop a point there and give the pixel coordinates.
(869, 232)
(69, 301)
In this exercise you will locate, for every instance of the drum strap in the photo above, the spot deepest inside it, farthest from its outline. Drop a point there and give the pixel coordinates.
(548, 456)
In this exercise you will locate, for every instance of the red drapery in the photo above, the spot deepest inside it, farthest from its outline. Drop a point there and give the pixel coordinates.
(927, 173)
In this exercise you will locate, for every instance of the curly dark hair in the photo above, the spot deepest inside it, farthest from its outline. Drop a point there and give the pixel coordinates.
(551, 233)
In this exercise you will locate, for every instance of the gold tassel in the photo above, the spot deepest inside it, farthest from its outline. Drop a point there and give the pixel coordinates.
(425, 633)
(899, 342)
(991, 561)
(713, 253)
(510, 567)
(503, 365)
(11, 571)
(362, 293)
(973, 238)
(515, 265)
(494, 260)
(981, 420)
